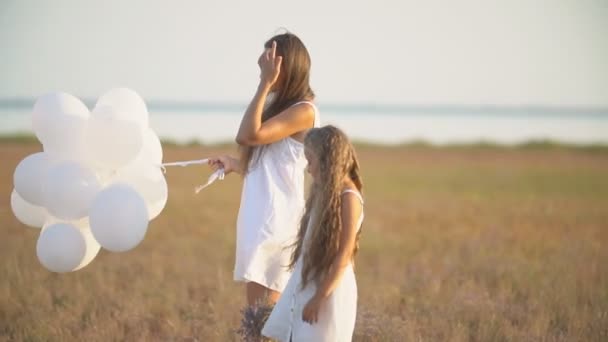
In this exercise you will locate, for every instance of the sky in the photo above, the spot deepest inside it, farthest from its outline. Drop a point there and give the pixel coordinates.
(512, 52)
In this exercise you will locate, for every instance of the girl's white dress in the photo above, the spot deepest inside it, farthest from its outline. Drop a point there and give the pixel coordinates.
(272, 203)
(336, 318)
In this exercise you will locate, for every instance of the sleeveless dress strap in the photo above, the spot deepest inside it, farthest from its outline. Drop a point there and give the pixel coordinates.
(362, 215)
(315, 110)
(356, 194)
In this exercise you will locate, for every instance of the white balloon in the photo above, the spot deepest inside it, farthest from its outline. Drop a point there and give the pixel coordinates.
(61, 247)
(29, 175)
(129, 105)
(92, 247)
(158, 201)
(28, 214)
(118, 218)
(48, 108)
(151, 154)
(145, 175)
(152, 150)
(149, 181)
(68, 142)
(111, 141)
(82, 223)
(69, 187)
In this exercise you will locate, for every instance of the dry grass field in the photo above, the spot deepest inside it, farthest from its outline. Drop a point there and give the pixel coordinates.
(459, 244)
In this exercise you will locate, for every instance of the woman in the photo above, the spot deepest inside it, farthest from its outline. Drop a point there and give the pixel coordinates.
(272, 162)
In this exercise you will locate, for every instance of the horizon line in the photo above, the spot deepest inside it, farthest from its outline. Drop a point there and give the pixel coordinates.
(364, 106)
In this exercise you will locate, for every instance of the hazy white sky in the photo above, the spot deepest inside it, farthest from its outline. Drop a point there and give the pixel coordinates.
(396, 52)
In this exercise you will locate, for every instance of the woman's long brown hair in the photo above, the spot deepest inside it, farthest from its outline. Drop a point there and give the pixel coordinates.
(294, 83)
(337, 159)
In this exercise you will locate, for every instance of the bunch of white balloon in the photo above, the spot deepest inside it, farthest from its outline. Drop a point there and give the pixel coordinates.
(97, 182)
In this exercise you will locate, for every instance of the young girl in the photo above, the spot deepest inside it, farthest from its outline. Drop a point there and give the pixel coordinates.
(272, 162)
(320, 300)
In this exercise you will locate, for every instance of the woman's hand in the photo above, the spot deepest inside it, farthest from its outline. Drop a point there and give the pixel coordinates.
(270, 66)
(310, 314)
(225, 162)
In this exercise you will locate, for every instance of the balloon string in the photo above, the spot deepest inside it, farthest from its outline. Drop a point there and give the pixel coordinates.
(218, 174)
(184, 163)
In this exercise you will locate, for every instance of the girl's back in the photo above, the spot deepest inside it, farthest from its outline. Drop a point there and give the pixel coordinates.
(336, 320)
(320, 300)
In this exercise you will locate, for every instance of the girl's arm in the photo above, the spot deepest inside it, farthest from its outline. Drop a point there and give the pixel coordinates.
(252, 131)
(351, 211)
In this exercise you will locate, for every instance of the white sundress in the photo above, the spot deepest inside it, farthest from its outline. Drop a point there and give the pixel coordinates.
(336, 318)
(272, 203)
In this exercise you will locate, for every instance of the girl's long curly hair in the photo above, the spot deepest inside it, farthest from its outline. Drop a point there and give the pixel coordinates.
(336, 159)
(294, 87)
